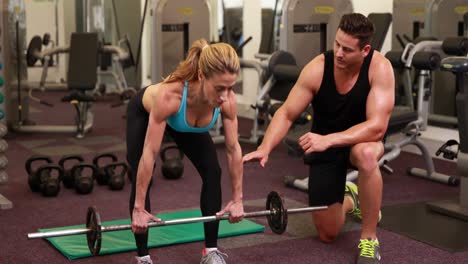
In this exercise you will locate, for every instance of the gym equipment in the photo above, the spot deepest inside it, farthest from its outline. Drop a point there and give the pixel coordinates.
(121, 59)
(75, 247)
(276, 213)
(445, 20)
(305, 25)
(49, 181)
(382, 22)
(404, 61)
(458, 208)
(172, 166)
(176, 26)
(3, 145)
(100, 174)
(440, 223)
(3, 162)
(446, 151)
(438, 19)
(84, 180)
(3, 130)
(33, 176)
(272, 88)
(269, 17)
(68, 178)
(34, 51)
(81, 78)
(408, 21)
(108, 19)
(116, 172)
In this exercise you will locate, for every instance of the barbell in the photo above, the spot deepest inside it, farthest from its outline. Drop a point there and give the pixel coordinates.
(276, 213)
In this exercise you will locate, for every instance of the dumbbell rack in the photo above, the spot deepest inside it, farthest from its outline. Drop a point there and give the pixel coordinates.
(4, 202)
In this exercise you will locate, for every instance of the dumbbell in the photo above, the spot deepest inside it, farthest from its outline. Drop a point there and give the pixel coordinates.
(33, 176)
(101, 176)
(84, 177)
(69, 178)
(172, 166)
(116, 172)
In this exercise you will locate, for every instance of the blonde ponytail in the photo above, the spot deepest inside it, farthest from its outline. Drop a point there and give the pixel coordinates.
(211, 59)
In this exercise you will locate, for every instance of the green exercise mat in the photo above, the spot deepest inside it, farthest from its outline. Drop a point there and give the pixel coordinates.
(75, 247)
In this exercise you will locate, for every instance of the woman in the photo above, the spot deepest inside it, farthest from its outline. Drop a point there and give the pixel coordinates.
(186, 105)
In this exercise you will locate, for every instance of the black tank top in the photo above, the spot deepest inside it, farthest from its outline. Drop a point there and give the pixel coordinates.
(335, 112)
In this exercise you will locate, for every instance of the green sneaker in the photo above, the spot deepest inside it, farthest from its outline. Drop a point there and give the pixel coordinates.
(351, 190)
(368, 251)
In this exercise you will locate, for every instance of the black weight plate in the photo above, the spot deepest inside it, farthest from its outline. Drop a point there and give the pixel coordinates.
(93, 223)
(34, 45)
(278, 220)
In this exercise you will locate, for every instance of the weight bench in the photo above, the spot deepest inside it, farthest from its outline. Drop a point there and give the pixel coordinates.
(81, 78)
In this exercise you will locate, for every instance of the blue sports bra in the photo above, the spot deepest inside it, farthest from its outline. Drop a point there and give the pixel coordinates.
(178, 122)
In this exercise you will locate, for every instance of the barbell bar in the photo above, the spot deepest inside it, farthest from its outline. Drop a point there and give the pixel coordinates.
(276, 213)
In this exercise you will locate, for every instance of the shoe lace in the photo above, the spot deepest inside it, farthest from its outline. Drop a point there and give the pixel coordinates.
(367, 248)
(357, 212)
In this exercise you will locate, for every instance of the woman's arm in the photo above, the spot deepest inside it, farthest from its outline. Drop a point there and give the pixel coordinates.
(234, 157)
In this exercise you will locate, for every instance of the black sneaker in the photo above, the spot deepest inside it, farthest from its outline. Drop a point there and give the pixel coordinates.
(368, 251)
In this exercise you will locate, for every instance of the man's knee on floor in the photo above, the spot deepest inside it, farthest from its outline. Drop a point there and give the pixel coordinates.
(327, 234)
(327, 237)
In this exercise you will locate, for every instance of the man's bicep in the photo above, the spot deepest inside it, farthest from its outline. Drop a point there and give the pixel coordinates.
(302, 93)
(382, 94)
(298, 99)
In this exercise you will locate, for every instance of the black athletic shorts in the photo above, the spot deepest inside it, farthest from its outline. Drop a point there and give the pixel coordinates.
(327, 175)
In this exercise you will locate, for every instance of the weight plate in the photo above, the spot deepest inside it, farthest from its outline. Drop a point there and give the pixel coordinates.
(35, 45)
(278, 219)
(93, 223)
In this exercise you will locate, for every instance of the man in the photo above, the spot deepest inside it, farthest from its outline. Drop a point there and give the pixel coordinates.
(352, 93)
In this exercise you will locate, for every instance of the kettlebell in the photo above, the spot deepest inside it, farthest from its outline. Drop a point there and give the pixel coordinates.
(116, 172)
(33, 175)
(69, 178)
(84, 177)
(100, 174)
(50, 181)
(172, 166)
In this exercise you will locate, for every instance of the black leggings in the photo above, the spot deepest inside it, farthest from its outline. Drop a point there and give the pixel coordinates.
(198, 147)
